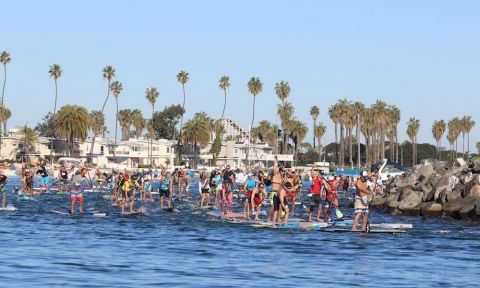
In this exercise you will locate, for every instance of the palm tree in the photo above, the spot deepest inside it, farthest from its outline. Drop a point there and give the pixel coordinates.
(255, 87)
(138, 122)
(224, 84)
(394, 119)
(152, 96)
(299, 132)
(467, 123)
(282, 90)
(4, 59)
(438, 129)
(358, 109)
(413, 126)
(5, 114)
(266, 132)
(381, 115)
(343, 116)
(367, 127)
(125, 118)
(478, 147)
(319, 132)
(55, 72)
(197, 132)
(182, 78)
(28, 140)
(350, 122)
(454, 129)
(116, 87)
(108, 74)
(333, 112)
(97, 119)
(72, 123)
(314, 112)
(285, 111)
(451, 140)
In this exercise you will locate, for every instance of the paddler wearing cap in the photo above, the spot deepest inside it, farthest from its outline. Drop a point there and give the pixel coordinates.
(76, 190)
(361, 201)
(3, 182)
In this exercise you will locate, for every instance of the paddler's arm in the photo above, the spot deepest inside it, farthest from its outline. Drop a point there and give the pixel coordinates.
(275, 165)
(252, 196)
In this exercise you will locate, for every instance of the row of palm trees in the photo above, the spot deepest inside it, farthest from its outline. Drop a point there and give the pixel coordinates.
(456, 126)
(376, 123)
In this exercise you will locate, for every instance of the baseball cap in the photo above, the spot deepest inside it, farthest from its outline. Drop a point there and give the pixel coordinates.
(364, 174)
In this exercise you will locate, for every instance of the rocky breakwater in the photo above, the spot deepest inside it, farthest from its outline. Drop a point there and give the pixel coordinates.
(434, 188)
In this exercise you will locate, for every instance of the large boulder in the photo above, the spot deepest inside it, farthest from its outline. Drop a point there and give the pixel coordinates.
(444, 184)
(392, 201)
(474, 192)
(453, 201)
(404, 181)
(466, 178)
(424, 172)
(476, 166)
(431, 208)
(410, 200)
(378, 200)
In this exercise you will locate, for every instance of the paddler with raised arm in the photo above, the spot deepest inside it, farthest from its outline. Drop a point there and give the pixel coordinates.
(278, 183)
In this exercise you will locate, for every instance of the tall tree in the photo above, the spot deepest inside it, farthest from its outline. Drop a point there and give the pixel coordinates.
(166, 121)
(224, 84)
(108, 74)
(5, 114)
(28, 139)
(299, 132)
(467, 124)
(438, 129)
(97, 118)
(319, 132)
(285, 112)
(314, 112)
(478, 147)
(283, 90)
(138, 122)
(255, 87)
(197, 132)
(116, 87)
(358, 109)
(152, 96)
(266, 132)
(394, 120)
(72, 123)
(4, 59)
(413, 126)
(454, 130)
(125, 119)
(182, 78)
(55, 72)
(334, 116)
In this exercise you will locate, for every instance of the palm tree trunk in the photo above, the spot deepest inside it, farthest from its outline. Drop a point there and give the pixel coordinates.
(151, 138)
(95, 135)
(224, 103)
(413, 153)
(116, 129)
(250, 131)
(4, 80)
(314, 126)
(336, 143)
(357, 133)
(106, 99)
(396, 144)
(468, 145)
(463, 145)
(342, 145)
(181, 122)
(350, 130)
(54, 111)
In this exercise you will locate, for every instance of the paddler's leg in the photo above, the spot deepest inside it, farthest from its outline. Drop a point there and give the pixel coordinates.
(230, 200)
(161, 199)
(4, 199)
(132, 200)
(72, 204)
(355, 221)
(80, 203)
(365, 220)
(180, 190)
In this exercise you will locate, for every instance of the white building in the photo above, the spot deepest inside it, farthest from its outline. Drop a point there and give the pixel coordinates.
(130, 154)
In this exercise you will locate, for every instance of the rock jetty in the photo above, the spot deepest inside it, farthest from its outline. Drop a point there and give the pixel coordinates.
(449, 189)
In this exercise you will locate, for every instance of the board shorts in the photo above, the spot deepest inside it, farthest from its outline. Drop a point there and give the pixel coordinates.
(291, 195)
(270, 197)
(63, 182)
(44, 180)
(315, 201)
(361, 204)
(227, 188)
(165, 193)
(3, 192)
(205, 190)
(76, 196)
(268, 188)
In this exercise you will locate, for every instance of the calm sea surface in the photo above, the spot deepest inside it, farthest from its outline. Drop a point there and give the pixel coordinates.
(181, 249)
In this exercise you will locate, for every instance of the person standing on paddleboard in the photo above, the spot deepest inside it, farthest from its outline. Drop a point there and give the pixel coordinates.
(44, 174)
(316, 195)
(3, 182)
(361, 201)
(76, 190)
(278, 183)
(228, 180)
(63, 182)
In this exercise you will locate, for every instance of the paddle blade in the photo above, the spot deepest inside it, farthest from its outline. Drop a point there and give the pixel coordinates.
(339, 213)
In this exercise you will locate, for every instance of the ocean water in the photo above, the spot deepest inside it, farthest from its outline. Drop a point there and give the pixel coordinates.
(183, 249)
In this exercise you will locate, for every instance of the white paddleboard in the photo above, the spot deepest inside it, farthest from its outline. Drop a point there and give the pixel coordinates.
(9, 208)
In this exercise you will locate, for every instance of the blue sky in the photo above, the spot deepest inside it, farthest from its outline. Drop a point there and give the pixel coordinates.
(423, 56)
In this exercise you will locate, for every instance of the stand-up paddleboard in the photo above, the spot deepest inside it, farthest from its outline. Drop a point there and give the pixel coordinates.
(85, 213)
(372, 231)
(218, 213)
(135, 213)
(9, 208)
